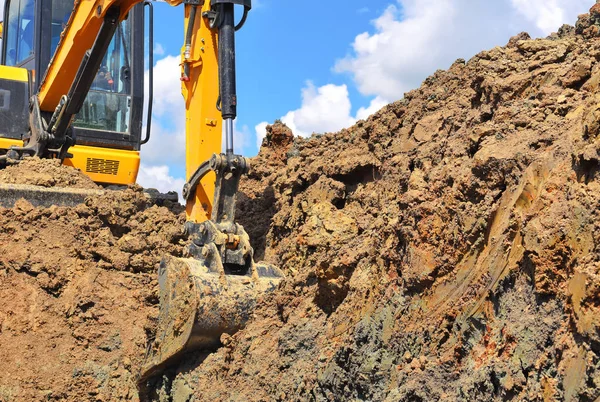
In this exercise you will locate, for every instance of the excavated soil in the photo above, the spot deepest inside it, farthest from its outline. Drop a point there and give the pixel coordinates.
(447, 248)
(45, 173)
(78, 294)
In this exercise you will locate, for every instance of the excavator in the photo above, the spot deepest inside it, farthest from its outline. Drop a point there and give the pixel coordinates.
(72, 88)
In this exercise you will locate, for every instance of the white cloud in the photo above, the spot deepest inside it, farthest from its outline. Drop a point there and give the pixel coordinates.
(159, 49)
(167, 140)
(548, 15)
(159, 177)
(373, 107)
(414, 38)
(261, 131)
(166, 148)
(167, 88)
(324, 109)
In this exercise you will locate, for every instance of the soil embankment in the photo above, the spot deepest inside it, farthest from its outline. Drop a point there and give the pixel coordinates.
(447, 248)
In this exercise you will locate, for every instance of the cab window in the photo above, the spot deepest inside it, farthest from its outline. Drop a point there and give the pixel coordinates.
(19, 34)
(108, 103)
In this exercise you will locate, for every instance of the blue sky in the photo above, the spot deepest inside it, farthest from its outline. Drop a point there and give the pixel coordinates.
(321, 66)
(284, 44)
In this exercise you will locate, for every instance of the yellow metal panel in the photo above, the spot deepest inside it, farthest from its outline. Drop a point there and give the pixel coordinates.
(14, 73)
(203, 120)
(6, 143)
(104, 165)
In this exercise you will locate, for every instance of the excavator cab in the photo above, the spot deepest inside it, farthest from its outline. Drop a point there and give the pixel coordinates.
(108, 127)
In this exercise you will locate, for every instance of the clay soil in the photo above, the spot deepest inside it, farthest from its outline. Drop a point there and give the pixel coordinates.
(78, 294)
(45, 173)
(447, 248)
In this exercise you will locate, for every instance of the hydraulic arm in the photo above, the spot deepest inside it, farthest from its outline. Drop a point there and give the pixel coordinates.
(214, 290)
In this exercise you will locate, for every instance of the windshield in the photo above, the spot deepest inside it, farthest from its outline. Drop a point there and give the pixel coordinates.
(107, 106)
(19, 34)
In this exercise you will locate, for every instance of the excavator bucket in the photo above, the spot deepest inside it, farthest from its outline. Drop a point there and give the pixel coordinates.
(215, 291)
(198, 304)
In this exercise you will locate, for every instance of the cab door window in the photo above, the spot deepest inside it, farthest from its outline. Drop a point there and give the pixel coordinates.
(107, 105)
(19, 35)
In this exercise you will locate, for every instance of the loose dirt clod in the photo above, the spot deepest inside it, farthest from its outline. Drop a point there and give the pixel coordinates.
(447, 248)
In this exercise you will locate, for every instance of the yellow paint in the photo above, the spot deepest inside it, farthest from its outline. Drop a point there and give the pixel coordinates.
(128, 163)
(6, 143)
(14, 74)
(203, 120)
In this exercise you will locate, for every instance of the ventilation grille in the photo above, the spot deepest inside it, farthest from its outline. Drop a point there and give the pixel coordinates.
(102, 166)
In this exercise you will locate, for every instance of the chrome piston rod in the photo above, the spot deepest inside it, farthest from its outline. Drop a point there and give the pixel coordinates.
(229, 136)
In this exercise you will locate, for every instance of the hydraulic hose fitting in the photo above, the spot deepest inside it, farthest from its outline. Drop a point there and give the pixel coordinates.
(187, 53)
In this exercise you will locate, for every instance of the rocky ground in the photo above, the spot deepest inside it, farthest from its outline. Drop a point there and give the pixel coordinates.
(447, 248)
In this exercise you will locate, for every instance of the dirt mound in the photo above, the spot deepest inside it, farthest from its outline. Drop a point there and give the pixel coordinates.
(45, 173)
(78, 294)
(445, 249)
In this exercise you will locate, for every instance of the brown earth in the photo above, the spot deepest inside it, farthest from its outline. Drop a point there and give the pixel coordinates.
(445, 249)
(78, 295)
(45, 173)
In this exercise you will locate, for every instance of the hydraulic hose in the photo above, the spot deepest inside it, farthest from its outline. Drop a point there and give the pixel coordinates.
(188, 43)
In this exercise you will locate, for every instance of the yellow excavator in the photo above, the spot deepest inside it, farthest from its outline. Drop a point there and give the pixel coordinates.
(72, 88)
